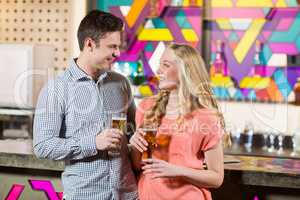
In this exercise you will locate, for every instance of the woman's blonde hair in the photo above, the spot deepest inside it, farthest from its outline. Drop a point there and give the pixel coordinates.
(194, 89)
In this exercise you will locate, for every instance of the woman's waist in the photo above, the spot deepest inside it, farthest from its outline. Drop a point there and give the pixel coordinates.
(179, 159)
(171, 188)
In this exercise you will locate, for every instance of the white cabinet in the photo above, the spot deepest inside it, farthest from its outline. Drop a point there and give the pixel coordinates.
(24, 69)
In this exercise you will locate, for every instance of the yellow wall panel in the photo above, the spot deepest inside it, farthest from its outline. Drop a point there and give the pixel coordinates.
(221, 81)
(221, 3)
(155, 35)
(254, 3)
(192, 3)
(199, 2)
(224, 24)
(186, 2)
(281, 4)
(255, 82)
(248, 39)
(189, 35)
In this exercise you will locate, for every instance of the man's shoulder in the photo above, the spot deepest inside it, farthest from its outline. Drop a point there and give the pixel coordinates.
(57, 83)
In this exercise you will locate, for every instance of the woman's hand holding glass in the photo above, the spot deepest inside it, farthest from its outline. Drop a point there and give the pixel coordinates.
(145, 141)
(138, 141)
(160, 169)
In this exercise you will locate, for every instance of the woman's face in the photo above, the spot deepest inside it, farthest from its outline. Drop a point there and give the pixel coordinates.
(168, 71)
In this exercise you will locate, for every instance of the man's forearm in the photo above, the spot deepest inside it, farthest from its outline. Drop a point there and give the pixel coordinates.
(56, 148)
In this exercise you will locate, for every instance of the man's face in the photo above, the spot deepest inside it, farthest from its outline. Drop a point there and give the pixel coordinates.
(104, 53)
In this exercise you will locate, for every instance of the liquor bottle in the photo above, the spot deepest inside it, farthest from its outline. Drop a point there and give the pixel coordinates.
(220, 63)
(248, 131)
(176, 2)
(154, 8)
(259, 68)
(297, 91)
(193, 3)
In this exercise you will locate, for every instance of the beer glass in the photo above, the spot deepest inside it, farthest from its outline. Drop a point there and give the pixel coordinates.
(118, 121)
(150, 137)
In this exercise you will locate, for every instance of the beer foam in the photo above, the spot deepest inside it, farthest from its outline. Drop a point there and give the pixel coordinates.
(149, 129)
(119, 118)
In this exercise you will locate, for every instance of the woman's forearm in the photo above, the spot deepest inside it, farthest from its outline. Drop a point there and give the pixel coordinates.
(201, 178)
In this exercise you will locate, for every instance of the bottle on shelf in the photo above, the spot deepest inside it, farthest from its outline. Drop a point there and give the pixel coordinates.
(220, 63)
(154, 8)
(296, 143)
(193, 3)
(248, 131)
(297, 91)
(176, 3)
(259, 68)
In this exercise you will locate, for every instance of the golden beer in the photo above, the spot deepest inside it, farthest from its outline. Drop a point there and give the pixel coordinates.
(150, 137)
(119, 123)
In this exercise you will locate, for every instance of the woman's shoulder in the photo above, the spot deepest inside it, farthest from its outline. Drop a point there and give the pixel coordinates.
(146, 103)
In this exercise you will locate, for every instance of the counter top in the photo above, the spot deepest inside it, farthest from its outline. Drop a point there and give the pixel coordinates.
(258, 152)
(263, 164)
(250, 170)
(29, 161)
(264, 171)
(18, 153)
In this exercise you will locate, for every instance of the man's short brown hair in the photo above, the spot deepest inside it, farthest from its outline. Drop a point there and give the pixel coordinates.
(95, 24)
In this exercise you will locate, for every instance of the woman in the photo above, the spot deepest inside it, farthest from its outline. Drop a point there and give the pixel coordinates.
(190, 128)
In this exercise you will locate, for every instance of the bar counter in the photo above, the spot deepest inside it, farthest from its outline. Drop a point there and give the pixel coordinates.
(245, 176)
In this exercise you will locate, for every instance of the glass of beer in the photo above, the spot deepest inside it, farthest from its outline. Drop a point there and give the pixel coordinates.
(150, 137)
(118, 121)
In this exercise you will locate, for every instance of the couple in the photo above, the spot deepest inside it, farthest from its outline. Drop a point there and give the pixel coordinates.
(73, 117)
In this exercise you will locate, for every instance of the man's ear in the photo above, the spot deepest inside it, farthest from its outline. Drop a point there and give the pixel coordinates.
(89, 44)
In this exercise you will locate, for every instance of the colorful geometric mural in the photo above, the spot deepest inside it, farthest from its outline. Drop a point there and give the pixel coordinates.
(240, 25)
(249, 30)
(148, 34)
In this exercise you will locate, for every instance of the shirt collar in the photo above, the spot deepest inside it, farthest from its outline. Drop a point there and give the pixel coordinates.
(79, 74)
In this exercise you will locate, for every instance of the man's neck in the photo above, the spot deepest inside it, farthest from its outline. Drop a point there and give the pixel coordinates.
(84, 64)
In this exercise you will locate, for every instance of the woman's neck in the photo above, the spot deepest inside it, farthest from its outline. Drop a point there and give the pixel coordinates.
(173, 108)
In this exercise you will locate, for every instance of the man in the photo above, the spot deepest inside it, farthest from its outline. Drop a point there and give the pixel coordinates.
(73, 117)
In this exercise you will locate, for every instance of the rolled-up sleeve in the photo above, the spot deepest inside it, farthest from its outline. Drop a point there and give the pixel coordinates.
(48, 120)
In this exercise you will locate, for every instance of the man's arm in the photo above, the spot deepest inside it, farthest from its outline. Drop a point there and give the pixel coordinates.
(49, 116)
(130, 112)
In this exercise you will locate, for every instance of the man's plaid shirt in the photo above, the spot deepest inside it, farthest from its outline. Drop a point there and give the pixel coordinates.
(72, 109)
